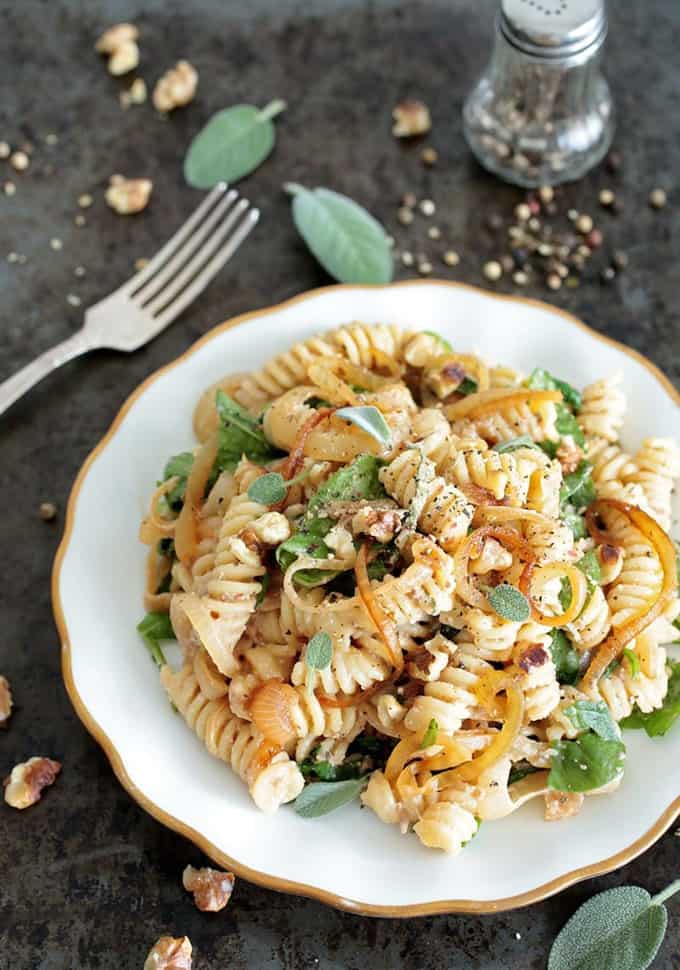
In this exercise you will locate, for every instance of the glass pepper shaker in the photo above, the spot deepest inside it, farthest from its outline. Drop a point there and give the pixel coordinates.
(542, 112)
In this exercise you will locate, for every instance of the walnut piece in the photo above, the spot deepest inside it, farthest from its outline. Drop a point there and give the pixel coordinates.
(212, 889)
(115, 37)
(562, 804)
(120, 43)
(381, 524)
(411, 118)
(128, 196)
(5, 701)
(569, 455)
(24, 786)
(169, 953)
(176, 87)
(135, 95)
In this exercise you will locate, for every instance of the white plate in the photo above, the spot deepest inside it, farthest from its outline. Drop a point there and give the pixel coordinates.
(349, 859)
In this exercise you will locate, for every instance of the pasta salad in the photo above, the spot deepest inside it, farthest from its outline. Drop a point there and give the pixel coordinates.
(400, 574)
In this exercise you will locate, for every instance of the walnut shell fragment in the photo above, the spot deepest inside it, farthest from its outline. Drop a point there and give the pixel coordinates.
(212, 889)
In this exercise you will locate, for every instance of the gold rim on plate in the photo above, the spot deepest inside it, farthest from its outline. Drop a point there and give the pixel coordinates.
(273, 882)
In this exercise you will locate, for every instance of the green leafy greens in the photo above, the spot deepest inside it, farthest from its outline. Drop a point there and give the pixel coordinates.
(442, 340)
(349, 484)
(240, 434)
(618, 929)
(658, 722)
(179, 466)
(349, 243)
(369, 419)
(576, 493)
(431, 734)
(542, 380)
(593, 716)
(232, 144)
(564, 656)
(154, 628)
(589, 762)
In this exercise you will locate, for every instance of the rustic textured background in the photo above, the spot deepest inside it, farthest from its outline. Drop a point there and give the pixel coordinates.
(89, 880)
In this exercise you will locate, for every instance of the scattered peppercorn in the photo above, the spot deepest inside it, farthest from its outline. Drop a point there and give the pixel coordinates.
(554, 281)
(5, 150)
(657, 198)
(434, 232)
(607, 274)
(584, 223)
(619, 259)
(494, 221)
(405, 216)
(508, 263)
(451, 257)
(9, 188)
(409, 200)
(606, 197)
(19, 161)
(546, 193)
(407, 258)
(594, 238)
(520, 278)
(522, 212)
(427, 207)
(614, 162)
(424, 267)
(47, 511)
(493, 270)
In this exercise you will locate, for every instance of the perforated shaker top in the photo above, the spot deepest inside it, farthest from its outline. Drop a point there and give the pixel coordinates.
(553, 28)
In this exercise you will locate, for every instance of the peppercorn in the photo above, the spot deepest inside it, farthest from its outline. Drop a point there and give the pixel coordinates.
(427, 207)
(619, 259)
(606, 197)
(405, 216)
(493, 270)
(546, 193)
(553, 281)
(47, 511)
(584, 223)
(409, 200)
(608, 274)
(451, 257)
(657, 198)
(594, 238)
(429, 156)
(614, 162)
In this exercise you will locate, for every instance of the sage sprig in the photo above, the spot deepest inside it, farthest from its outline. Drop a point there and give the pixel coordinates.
(369, 419)
(349, 243)
(232, 144)
(510, 603)
(322, 797)
(318, 656)
(270, 489)
(619, 929)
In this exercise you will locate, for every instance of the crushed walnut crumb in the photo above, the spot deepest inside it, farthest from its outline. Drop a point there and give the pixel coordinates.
(169, 953)
(411, 117)
(212, 889)
(128, 196)
(25, 785)
(136, 94)
(562, 804)
(6, 702)
(176, 87)
(569, 455)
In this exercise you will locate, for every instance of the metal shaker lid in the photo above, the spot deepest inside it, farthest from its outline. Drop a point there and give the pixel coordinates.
(553, 28)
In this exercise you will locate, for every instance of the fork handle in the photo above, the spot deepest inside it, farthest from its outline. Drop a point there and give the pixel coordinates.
(17, 385)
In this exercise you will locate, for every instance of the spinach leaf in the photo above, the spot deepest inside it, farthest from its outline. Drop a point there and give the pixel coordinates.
(154, 628)
(584, 764)
(566, 424)
(564, 656)
(542, 380)
(180, 466)
(589, 565)
(349, 484)
(578, 487)
(659, 722)
(467, 386)
(240, 434)
(574, 520)
(313, 770)
(593, 716)
(520, 770)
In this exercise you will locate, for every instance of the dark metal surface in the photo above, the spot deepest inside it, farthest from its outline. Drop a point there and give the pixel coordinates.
(88, 879)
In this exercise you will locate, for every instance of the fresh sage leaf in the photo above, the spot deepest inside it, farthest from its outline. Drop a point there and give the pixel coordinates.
(510, 603)
(358, 480)
(584, 764)
(542, 380)
(349, 243)
(268, 489)
(633, 661)
(431, 734)
(593, 716)
(442, 340)
(323, 797)
(658, 722)
(618, 929)
(524, 441)
(319, 651)
(232, 144)
(369, 419)
(564, 656)
(154, 628)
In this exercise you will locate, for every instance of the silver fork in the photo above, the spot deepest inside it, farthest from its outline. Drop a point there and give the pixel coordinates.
(139, 309)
